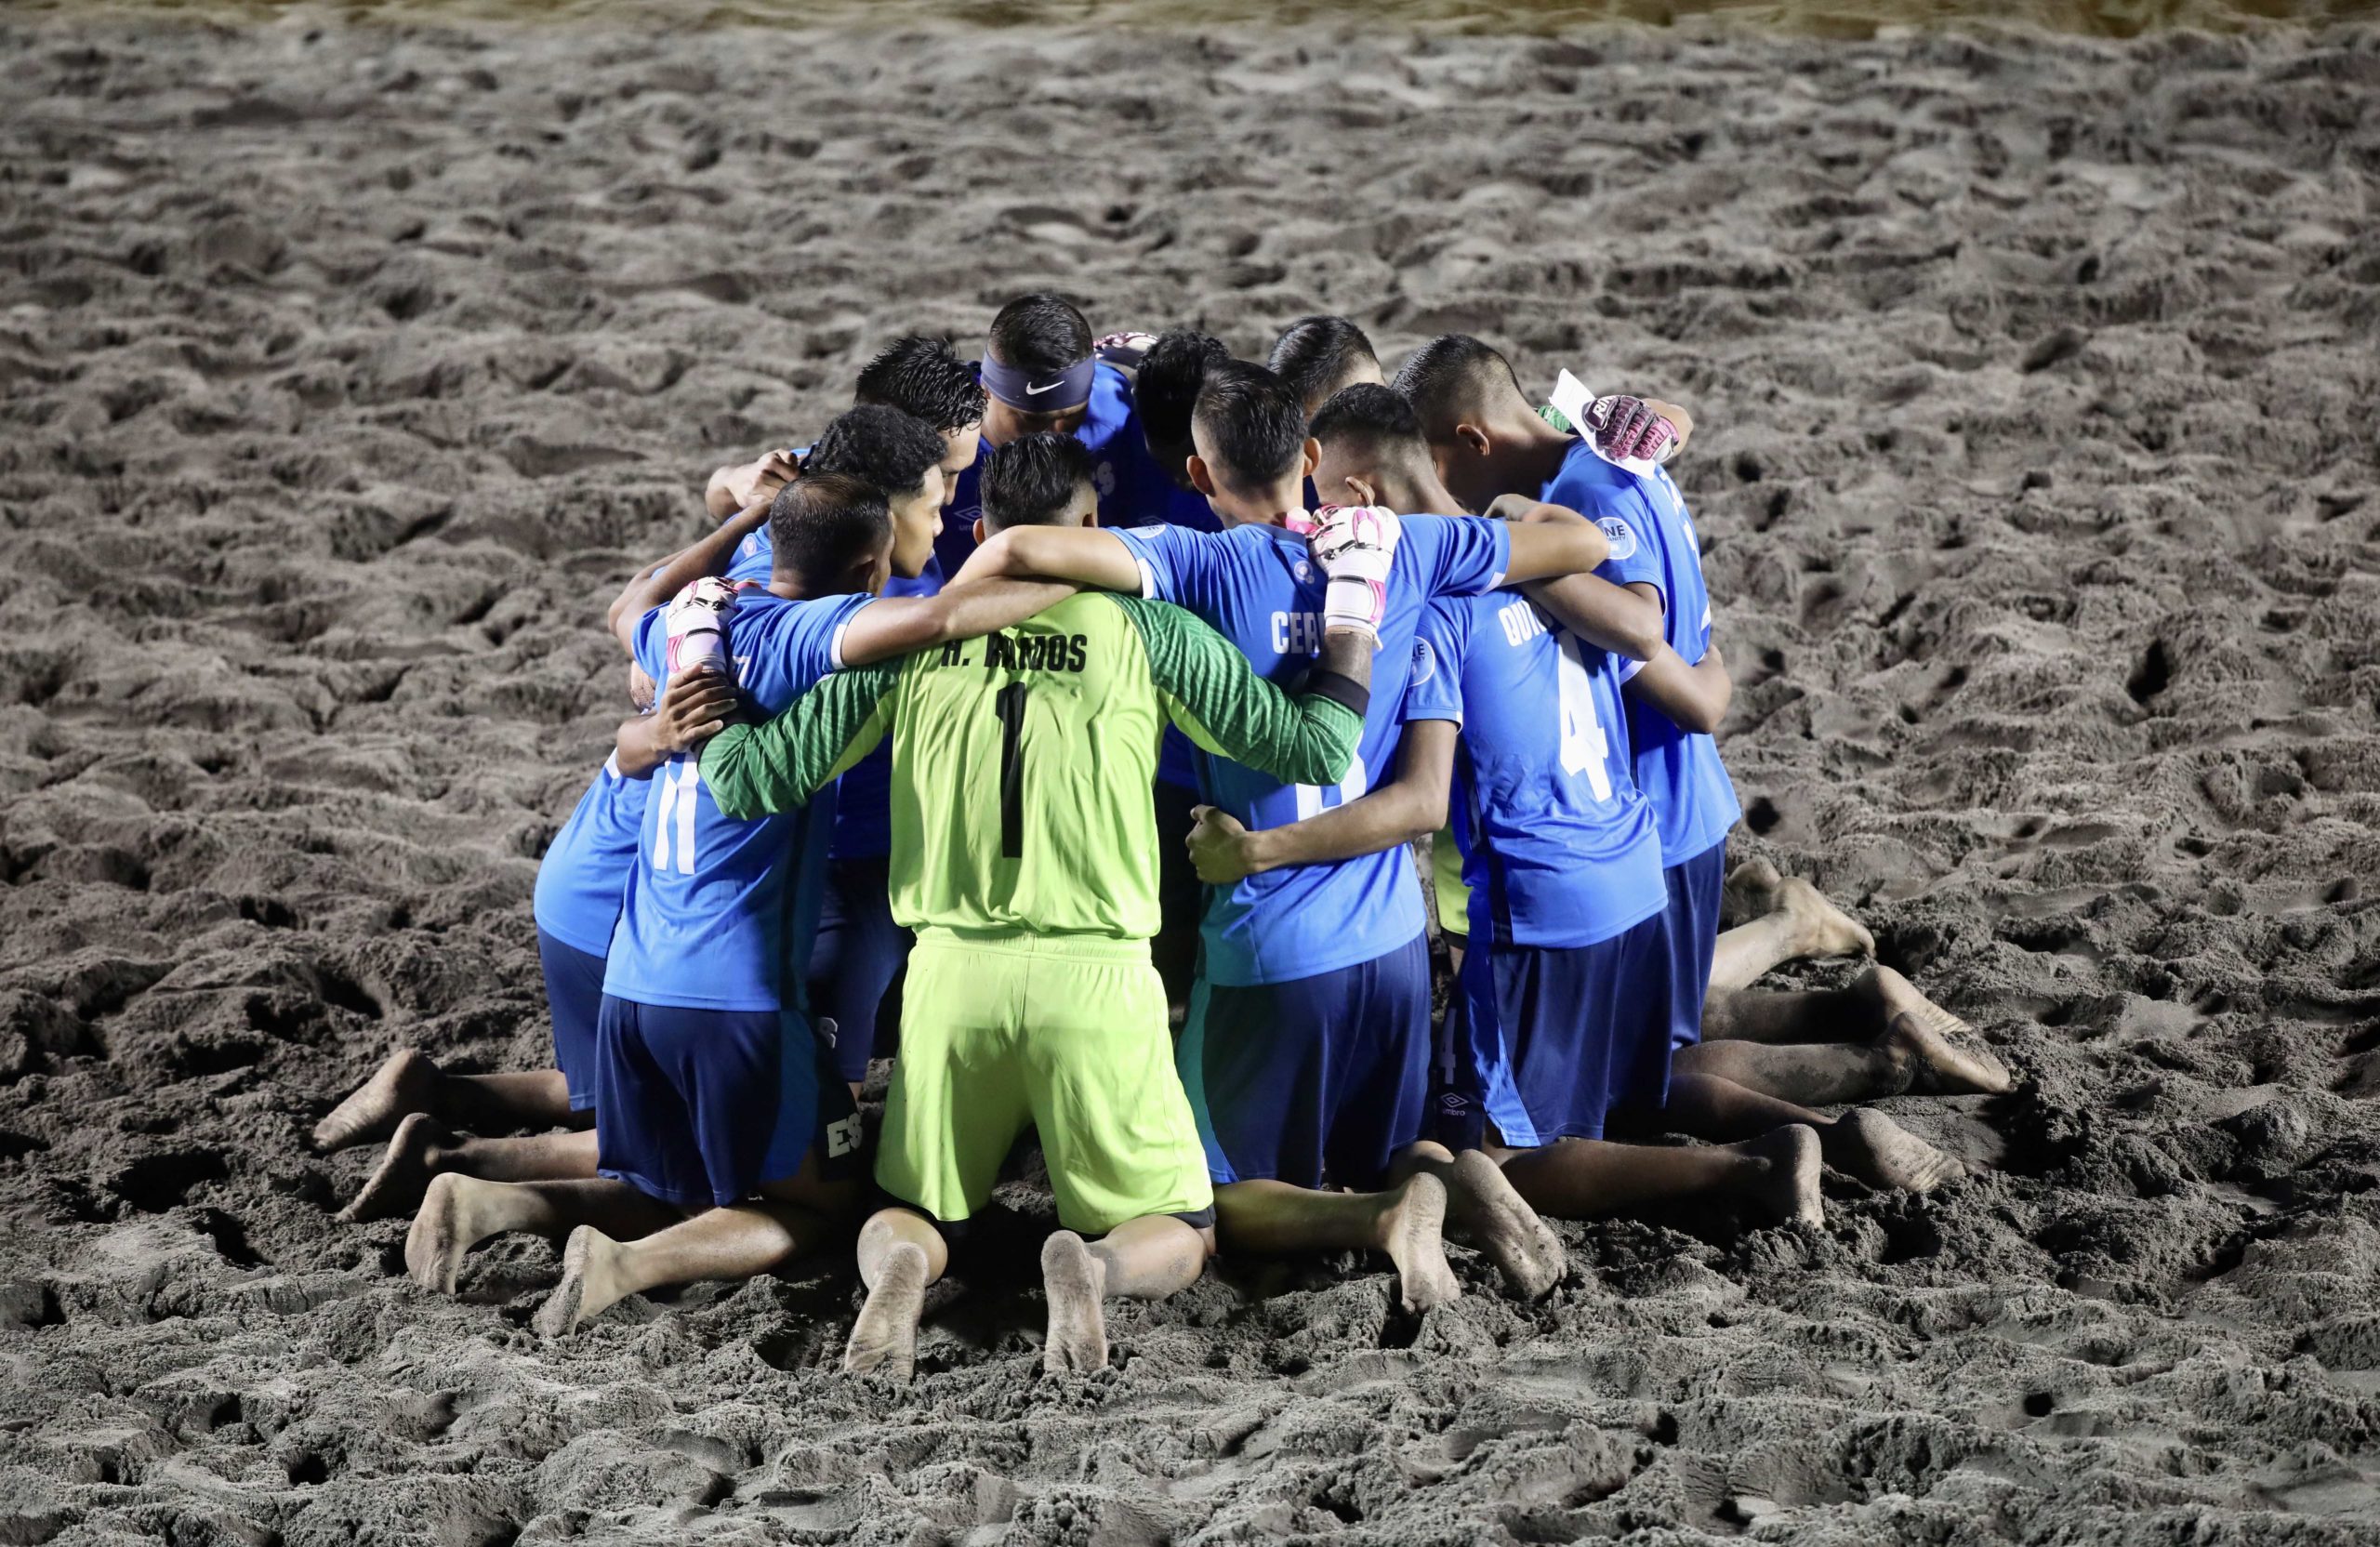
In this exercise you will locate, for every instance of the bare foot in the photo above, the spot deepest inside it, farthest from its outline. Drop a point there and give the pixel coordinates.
(1867, 1144)
(1789, 1184)
(1823, 928)
(1499, 1223)
(403, 1176)
(458, 1212)
(1896, 996)
(398, 1088)
(1749, 890)
(590, 1282)
(1413, 1231)
(1938, 1066)
(1075, 1282)
(884, 1339)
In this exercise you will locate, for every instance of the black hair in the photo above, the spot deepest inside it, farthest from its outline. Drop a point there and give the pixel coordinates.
(924, 378)
(883, 445)
(1450, 376)
(1315, 354)
(1040, 333)
(1252, 421)
(1033, 480)
(1380, 420)
(1166, 390)
(823, 527)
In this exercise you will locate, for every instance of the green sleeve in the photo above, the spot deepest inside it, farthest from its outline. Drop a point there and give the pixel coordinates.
(1209, 689)
(752, 770)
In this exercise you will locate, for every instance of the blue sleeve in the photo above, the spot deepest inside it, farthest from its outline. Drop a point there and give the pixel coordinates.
(1441, 644)
(820, 639)
(653, 644)
(1176, 566)
(1631, 527)
(1461, 555)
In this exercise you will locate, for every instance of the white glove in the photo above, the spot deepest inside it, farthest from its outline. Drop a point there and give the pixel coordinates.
(1353, 546)
(696, 624)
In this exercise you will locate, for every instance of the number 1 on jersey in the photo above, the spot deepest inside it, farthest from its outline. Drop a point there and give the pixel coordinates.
(1009, 704)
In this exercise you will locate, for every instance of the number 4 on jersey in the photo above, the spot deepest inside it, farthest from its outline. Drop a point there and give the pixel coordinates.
(1586, 749)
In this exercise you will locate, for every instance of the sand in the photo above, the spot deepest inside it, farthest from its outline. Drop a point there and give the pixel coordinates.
(349, 367)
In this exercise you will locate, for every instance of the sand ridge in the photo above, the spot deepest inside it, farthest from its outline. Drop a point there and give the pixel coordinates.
(344, 374)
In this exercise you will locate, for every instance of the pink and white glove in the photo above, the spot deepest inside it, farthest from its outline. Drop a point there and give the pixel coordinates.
(1625, 429)
(696, 624)
(1352, 545)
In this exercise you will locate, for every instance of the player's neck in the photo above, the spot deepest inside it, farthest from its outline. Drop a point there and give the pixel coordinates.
(1538, 451)
(1268, 508)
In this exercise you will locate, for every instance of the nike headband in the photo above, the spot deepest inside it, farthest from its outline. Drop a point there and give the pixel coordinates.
(1069, 389)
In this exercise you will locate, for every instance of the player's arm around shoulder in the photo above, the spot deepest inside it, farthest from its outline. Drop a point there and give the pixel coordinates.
(753, 770)
(895, 626)
(1694, 697)
(1211, 690)
(1549, 540)
(1090, 556)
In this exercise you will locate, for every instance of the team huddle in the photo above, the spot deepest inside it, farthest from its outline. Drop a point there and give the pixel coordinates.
(1099, 683)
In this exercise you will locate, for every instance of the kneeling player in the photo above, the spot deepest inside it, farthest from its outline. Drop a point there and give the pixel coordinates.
(1025, 853)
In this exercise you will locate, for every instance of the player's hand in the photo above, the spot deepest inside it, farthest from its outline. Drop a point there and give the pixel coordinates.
(695, 706)
(1218, 846)
(1629, 429)
(1353, 546)
(761, 481)
(641, 687)
(1511, 506)
(1124, 349)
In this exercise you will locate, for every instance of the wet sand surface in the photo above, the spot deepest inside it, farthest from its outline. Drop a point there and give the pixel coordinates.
(346, 371)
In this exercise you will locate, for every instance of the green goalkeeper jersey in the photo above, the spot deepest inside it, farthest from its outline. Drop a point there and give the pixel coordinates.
(1021, 761)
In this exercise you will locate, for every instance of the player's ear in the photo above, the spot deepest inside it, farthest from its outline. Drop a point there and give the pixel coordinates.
(1200, 477)
(981, 534)
(1471, 439)
(1313, 456)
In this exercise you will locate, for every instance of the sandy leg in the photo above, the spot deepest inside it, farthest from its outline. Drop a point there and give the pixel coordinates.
(1413, 1231)
(1499, 1223)
(1937, 1065)
(590, 1282)
(398, 1183)
(458, 1212)
(1788, 1183)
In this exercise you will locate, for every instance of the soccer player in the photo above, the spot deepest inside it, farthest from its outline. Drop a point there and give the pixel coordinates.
(1025, 856)
(1042, 371)
(1306, 1053)
(1165, 392)
(919, 376)
(1319, 356)
(1486, 441)
(1566, 1019)
(724, 1137)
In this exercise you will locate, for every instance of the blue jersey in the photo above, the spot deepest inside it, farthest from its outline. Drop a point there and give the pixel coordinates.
(1134, 491)
(714, 906)
(862, 796)
(1559, 846)
(1652, 541)
(1256, 585)
(585, 872)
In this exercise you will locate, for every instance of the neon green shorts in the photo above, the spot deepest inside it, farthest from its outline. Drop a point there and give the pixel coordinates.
(1061, 1033)
(1446, 884)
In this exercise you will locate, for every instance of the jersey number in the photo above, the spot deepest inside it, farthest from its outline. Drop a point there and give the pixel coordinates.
(1586, 749)
(676, 817)
(1009, 704)
(1352, 788)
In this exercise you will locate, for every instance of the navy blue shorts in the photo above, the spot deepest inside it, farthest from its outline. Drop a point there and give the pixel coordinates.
(699, 1107)
(1693, 918)
(853, 958)
(574, 996)
(1322, 1078)
(1553, 1037)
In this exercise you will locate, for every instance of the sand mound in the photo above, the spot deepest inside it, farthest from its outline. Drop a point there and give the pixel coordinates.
(344, 372)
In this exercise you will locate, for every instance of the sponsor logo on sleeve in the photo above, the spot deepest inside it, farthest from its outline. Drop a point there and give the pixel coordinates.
(1622, 537)
(1142, 534)
(1425, 662)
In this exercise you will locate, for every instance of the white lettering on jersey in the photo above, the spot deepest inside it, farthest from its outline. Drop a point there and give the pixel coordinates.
(842, 1138)
(1521, 622)
(1296, 634)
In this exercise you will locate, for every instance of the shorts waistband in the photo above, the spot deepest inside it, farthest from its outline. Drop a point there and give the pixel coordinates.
(1071, 947)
